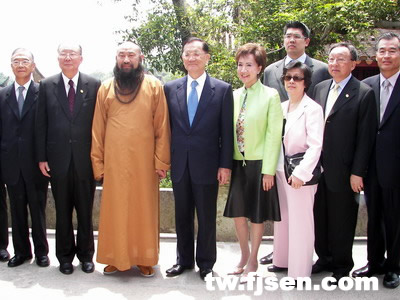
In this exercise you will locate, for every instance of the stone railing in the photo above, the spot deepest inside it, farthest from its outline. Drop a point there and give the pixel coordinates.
(225, 226)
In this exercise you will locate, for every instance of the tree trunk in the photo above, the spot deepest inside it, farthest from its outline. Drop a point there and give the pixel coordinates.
(182, 18)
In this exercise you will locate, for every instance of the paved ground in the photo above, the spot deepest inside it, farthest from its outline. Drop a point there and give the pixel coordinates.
(31, 282)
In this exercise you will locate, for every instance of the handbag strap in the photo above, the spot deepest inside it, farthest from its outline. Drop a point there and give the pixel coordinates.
(283, 136)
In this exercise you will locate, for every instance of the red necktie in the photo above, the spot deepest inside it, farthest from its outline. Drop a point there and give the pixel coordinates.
(71, 95)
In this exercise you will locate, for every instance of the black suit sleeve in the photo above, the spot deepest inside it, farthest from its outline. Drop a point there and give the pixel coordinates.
(226, 134)
(41, 124)
(366, 130)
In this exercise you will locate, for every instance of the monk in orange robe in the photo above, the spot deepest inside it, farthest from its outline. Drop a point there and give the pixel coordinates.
(130, 153)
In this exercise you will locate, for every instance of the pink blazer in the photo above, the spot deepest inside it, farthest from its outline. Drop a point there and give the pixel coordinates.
(304, 133)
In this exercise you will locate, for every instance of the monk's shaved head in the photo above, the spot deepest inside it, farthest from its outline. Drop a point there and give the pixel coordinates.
(127, 47)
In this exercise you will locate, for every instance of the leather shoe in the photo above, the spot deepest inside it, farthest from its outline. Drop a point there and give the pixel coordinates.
(391, 280)
(87, 266)
(276, 269)
(4, 255)
(368, 271)
(318, 268)
(177, 269)
(266, 260)
(66, 268)
(42, 261)
(337, 277)
(18, 260)
(204, 273)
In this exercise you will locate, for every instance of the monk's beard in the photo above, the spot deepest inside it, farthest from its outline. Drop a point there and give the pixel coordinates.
(128, 82)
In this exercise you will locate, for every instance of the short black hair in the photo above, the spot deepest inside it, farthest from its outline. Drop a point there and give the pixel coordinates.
(352, 49)
(298, 25)
(307, 73)
(387, 36)
(192, 39)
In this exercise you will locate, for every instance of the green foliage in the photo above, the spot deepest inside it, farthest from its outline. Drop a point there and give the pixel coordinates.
(4, 79)
(227, 24)
(166, 182)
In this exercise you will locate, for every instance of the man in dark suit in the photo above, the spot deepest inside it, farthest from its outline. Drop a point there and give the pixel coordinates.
(350, 123)
(382, 188)
(201, 155)
(26, 186)
(295, 40)
(63, 138)
(4, 255)
(296, 37)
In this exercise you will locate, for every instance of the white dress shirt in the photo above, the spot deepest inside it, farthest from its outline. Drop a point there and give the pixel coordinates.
(199, 88)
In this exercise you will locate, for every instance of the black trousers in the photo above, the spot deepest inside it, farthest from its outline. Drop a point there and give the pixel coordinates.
(335, 217)
(376, 242)
(391, 217)
(3, 218)
(202, 198)
(33, 195)
(70, 192)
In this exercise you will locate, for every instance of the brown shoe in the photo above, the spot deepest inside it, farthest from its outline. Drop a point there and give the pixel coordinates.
(146, 271)
(110, 270)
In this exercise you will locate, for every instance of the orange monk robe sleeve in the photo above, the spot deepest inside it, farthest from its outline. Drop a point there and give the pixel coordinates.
(98, 134)
(162, 131)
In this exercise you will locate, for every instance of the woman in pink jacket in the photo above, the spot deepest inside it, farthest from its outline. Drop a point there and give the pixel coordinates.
(294, 235)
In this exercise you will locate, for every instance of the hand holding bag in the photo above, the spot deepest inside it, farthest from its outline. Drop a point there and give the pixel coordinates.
(290, 162)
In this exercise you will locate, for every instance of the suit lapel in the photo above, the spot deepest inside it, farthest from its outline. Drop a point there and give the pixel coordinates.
(377, 90)
(295, 115)
(80, 94)
(393, 102)
(324, 95)
(206, 96)
(182, 103)
(345, 96)
(30, 98)
(11, 99)
(278, 74)
(60, 94)
(309, 62)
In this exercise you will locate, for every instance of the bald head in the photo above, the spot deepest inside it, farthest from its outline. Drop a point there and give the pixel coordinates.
(129, 56)
(130, 47)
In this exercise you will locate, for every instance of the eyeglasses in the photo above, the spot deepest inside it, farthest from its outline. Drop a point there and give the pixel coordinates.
(72, 55)
(293, 36)
(195, 54)
(338, 60)
(295, 78)
(24, 62)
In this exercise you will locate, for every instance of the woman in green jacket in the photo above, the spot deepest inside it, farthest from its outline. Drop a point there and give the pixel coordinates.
(257, 138)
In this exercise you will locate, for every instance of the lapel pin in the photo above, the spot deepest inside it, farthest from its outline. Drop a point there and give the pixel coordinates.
(81, 91)
(347, 96)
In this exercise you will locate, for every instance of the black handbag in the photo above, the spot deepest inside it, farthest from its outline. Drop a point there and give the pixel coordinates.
(292, 161)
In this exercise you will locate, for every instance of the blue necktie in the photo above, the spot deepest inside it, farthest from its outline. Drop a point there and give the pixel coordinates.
(193, 101)
(20, 99)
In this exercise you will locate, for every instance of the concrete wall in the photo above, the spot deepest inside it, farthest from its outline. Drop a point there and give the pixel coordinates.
(225, 226)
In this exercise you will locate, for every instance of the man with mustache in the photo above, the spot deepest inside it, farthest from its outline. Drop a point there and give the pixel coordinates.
(130, 152)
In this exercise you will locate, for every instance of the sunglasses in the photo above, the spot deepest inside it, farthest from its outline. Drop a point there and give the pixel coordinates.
(295, 78)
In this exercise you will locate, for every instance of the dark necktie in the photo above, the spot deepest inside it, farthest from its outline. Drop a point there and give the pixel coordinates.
(20, 99)
(71, 95)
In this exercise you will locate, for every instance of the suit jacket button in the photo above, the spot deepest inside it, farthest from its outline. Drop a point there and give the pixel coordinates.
(328, 121)
(70, 141)
(379, 132)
